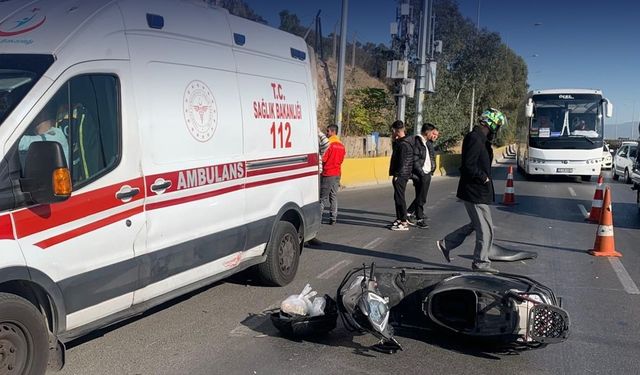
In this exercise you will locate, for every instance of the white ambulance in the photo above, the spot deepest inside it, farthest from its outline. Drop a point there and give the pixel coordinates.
(148, 148)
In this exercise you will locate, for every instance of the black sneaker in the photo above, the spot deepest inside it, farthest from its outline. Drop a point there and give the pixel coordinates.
(444, 251)
(421, 224)
(411, 219)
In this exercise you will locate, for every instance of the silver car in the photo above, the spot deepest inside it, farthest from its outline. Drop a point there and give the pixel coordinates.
(623, 161)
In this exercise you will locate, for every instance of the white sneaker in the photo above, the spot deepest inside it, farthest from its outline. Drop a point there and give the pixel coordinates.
(400, 227)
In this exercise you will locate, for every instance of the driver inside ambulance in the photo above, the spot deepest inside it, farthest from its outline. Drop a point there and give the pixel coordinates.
(42, 129)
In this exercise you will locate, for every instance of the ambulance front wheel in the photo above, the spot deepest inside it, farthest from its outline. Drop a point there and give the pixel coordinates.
(283, 256)
(24, 338)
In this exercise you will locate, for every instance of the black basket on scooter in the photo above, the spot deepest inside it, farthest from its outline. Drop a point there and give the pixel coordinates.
(306, 326)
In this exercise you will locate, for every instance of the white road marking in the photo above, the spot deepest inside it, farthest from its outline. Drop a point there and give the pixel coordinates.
(333, 270)
(572, 192)
(373, 243)
(626, 280)
(584, 211)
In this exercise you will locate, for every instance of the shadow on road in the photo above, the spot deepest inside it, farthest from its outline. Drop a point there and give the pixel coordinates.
(357, 217)
(103, 331)
(380, 255)
(260, 325)
(363, 221)
(565, 209)
(583, 251)
(461, 344)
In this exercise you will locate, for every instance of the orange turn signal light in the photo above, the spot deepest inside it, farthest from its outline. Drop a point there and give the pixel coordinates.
(62, 182)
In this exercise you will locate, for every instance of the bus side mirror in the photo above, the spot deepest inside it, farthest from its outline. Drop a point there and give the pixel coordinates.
(529, 108)
(46, 176)
(608, 109)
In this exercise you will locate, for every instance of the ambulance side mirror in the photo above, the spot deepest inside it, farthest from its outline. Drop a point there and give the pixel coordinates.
(46, 176)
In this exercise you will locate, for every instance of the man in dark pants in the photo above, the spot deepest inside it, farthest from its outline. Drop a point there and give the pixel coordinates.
(400, 168)
(475, 189)
(331, 171)
(424, 164)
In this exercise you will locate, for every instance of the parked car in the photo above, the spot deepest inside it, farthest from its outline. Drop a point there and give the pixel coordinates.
(635, 178)
(623, 161)
(607, 159)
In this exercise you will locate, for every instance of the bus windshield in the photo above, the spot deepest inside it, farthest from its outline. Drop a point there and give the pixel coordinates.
(571, 120)
(18, 74)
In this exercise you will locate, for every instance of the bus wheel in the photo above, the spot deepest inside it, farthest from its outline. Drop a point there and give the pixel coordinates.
(283, 256)
(24, 338)
(586, 178)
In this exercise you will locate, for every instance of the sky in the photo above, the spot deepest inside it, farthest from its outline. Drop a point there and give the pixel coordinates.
(565, 43)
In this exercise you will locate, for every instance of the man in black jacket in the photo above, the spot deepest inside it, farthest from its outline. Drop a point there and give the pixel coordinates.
(424, 164)
(475, 189)
(400, 168)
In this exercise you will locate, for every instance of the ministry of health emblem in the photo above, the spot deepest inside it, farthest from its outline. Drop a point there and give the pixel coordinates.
(200, 111)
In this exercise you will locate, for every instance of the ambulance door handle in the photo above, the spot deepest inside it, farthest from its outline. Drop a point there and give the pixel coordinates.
(160, 186)
(126, 193)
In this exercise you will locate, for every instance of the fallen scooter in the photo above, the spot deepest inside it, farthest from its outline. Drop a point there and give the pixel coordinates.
(501, 308)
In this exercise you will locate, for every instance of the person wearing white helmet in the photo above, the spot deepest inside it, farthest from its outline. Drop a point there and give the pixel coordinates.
(475, 189)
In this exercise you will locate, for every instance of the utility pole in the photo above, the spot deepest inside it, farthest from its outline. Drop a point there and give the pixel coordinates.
(405, 31)
(319, 45)
(473, 90)
(424, 48)
(343, 45)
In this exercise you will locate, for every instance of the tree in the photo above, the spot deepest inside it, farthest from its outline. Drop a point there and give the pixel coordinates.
(237, 8)
(290, 23)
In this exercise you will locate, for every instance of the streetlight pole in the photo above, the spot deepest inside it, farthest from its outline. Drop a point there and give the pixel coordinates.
(343, 47)
(423, 50)
(473, 89)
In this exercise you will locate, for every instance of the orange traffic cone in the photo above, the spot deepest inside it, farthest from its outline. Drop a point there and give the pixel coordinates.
(596, 206)
(605, 244)
(509, 192)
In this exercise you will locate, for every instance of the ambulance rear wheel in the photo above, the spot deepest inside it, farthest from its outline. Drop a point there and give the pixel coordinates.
(24, 338)
(283, 256)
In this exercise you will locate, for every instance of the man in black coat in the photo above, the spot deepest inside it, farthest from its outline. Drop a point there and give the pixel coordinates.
(400, 168)
(424, 164)
(475, 189)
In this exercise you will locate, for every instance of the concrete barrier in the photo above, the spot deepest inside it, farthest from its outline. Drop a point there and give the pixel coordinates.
(372, 171)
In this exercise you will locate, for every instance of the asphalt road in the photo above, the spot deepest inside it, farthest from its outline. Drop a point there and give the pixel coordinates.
(224, 328)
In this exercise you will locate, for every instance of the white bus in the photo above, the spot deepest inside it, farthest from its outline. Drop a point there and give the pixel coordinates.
(563, 132)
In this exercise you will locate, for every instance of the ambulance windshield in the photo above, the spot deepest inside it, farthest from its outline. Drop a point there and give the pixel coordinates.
(18, 74)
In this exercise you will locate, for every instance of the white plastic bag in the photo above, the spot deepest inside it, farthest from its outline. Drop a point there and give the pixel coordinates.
(294, 305)
(299, 304)
(317, 307)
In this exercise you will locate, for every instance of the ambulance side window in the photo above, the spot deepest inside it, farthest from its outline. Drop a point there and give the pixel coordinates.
(91, 123)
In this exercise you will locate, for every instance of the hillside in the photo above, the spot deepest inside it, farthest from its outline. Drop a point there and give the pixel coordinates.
(355, 78)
